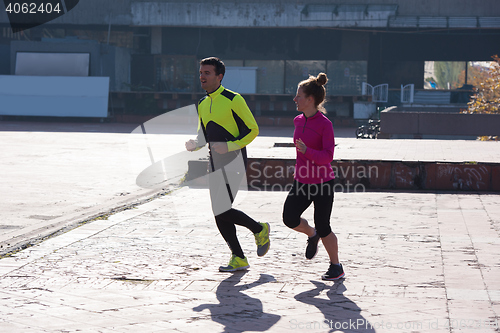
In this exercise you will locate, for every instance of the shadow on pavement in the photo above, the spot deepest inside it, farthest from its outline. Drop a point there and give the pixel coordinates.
(341, 314)
(237, 311)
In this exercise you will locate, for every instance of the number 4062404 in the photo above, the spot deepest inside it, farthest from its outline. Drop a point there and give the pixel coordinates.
(32, 8)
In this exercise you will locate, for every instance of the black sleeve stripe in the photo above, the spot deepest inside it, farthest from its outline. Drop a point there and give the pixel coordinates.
(242, 127)
(229, 95)
(201, 100)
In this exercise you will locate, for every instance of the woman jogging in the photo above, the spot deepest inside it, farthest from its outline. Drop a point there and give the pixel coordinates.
(314, 177)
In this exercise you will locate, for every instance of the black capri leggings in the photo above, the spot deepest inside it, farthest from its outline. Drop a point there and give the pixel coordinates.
(223, 188)
(300, 198)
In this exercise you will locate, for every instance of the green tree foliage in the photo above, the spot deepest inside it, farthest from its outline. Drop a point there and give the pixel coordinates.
(486, 98)
(448, 72)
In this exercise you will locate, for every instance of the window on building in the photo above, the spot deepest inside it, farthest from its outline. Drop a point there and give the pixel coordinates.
(478, 72)
(444, 74)
(180, 74)
(451, 74)
(298, 70)
(346, 77)
(270, 75)
(176, 73)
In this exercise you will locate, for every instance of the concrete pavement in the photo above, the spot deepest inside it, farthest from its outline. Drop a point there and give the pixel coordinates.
(415, 262)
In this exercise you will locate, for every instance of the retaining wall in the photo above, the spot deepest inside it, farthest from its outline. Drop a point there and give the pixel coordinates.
(419, 124)
(277, 174)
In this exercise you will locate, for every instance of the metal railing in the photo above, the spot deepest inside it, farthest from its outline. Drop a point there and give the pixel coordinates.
(379, 93)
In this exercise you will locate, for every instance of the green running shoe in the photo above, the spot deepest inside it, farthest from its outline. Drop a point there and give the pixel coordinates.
(262, 239)
(235, 264)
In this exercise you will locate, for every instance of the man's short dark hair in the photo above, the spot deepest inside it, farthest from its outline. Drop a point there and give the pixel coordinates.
(220, 68)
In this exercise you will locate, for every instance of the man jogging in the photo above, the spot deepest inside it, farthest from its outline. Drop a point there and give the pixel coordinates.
(228, 126)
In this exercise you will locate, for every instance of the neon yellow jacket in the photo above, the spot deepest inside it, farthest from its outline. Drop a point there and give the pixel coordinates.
(225, 117)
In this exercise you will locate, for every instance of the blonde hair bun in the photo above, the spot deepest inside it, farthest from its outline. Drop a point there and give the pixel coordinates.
(321, 79)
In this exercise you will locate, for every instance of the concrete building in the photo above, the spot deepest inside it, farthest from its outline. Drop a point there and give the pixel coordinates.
(153, 47)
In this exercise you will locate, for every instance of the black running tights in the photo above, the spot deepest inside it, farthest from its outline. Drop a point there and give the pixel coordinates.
(227, 220)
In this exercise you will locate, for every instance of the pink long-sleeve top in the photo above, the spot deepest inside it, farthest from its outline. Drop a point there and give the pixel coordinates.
(316, 132)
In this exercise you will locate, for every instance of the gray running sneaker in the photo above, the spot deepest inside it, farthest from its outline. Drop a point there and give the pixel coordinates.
(312, 246)
(335, 272)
